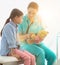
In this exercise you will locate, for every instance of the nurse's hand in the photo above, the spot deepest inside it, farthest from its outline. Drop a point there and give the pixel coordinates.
(38, 39)
(27, 36)
(24, 37)
(30, 41)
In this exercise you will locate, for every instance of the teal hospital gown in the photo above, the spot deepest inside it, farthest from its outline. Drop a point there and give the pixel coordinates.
(39, 50)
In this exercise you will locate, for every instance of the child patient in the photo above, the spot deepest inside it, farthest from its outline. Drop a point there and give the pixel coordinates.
(9, 43)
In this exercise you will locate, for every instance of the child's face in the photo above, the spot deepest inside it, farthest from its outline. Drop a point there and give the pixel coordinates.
(18, 20)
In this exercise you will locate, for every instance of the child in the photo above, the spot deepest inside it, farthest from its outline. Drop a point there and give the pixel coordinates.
(9, 44)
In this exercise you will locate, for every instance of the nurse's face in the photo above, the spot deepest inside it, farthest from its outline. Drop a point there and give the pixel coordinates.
(32, 12)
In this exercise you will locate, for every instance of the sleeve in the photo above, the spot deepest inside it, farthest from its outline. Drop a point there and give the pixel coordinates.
(10, 37)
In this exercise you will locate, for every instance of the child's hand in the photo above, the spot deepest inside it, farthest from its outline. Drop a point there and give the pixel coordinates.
(17, 56)
(12, 53)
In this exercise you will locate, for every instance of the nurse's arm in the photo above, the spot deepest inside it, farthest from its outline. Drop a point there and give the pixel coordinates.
(22, 37)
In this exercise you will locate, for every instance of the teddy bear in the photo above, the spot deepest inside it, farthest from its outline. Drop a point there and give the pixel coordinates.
(36, 38)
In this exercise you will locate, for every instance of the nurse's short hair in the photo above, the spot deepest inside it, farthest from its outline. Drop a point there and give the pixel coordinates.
(33, 5)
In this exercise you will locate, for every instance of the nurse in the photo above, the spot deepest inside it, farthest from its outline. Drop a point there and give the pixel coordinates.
(29, 25)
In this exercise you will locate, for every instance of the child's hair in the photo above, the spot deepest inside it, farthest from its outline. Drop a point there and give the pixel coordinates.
(15, 12)
(33, 5)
